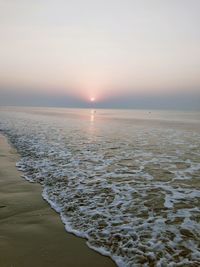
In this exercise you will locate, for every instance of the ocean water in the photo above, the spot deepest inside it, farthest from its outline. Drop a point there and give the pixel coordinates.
(128, 181)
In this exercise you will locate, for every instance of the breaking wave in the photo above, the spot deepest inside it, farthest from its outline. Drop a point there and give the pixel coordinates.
(133, 192)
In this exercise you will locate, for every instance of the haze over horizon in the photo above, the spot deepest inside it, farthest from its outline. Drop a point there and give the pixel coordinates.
(125, 54)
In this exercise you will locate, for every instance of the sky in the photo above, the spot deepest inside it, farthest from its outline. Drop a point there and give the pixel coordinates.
(122, 53)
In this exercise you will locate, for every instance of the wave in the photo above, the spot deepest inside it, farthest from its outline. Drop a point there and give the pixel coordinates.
(134, 194)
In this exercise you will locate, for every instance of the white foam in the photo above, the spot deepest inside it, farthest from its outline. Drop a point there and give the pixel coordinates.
(134, 197)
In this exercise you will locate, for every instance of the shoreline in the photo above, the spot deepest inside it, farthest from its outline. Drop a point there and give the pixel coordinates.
(32, 233)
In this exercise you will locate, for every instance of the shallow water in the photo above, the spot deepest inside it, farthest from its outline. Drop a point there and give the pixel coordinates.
(127, 181)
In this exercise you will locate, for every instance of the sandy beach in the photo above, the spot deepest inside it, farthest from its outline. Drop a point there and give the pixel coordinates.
(31, 233)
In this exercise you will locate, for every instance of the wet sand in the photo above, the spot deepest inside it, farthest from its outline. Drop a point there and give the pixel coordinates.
(31, 233)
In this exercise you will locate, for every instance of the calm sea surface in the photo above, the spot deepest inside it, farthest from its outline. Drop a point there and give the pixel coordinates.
(126, 180)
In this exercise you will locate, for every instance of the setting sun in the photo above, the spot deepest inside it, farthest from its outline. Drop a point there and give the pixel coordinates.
(92, 99)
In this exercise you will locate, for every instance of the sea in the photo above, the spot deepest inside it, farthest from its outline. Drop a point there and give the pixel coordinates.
(128, 181)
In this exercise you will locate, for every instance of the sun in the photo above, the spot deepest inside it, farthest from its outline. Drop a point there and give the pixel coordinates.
(92, 99)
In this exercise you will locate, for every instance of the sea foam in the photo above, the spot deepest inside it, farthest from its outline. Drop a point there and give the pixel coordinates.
(133, 193)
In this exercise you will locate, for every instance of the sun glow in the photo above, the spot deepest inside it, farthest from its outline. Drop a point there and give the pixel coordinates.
(92, 99)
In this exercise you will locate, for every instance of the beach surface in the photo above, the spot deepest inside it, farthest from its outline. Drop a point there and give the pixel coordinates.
(31, 233)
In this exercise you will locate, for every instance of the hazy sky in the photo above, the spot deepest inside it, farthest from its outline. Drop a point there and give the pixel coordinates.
(131, 53)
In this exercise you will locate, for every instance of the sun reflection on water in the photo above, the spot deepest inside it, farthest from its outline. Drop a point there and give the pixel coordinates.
(92, 115)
